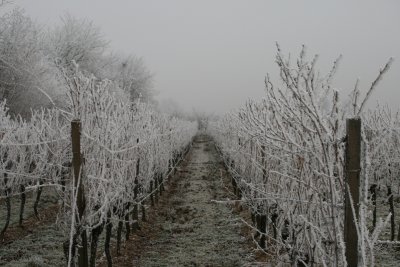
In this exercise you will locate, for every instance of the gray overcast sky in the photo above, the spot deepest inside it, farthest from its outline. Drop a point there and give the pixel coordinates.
(213, 54)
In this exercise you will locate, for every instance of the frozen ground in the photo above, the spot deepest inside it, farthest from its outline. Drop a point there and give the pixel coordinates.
(37, 242)
(191, 229)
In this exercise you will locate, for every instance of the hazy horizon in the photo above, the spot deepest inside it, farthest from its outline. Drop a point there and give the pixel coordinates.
(213, 55)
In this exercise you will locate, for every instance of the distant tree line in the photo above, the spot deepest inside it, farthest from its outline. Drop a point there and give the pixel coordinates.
(34, 60)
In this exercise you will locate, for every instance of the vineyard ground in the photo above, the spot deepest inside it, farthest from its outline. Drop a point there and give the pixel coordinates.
(36, 241)
(386, 255)
(190, 226)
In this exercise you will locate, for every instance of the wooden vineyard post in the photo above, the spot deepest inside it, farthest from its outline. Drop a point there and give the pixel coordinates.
(151, 194)
(78, 184)
(263, 217)
(391, 209)
(373, 200)
(156, 189)
(135, 215)
(352, 188)
(162, 189)
(264, 170)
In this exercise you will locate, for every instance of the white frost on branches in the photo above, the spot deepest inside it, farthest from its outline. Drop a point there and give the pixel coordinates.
(286, 153)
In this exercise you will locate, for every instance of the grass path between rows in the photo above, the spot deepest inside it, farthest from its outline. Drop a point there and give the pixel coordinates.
(192, 226)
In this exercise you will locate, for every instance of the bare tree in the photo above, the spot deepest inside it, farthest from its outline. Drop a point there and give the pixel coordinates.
(131, 74)
(79, 41)
(4, 2)
(25, 72)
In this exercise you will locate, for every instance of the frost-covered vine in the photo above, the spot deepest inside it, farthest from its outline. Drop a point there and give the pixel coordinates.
(128, 151)
(287, 155)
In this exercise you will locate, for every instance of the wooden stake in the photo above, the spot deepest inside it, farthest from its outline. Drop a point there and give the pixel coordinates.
(81, 203)
(352, 188)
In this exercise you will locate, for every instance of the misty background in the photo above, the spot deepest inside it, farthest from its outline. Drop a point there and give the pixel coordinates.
(212, 56)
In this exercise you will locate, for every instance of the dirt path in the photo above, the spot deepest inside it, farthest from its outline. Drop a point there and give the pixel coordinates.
(191, 229)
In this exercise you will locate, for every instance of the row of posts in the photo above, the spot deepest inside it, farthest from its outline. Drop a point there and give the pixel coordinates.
(352, 182)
